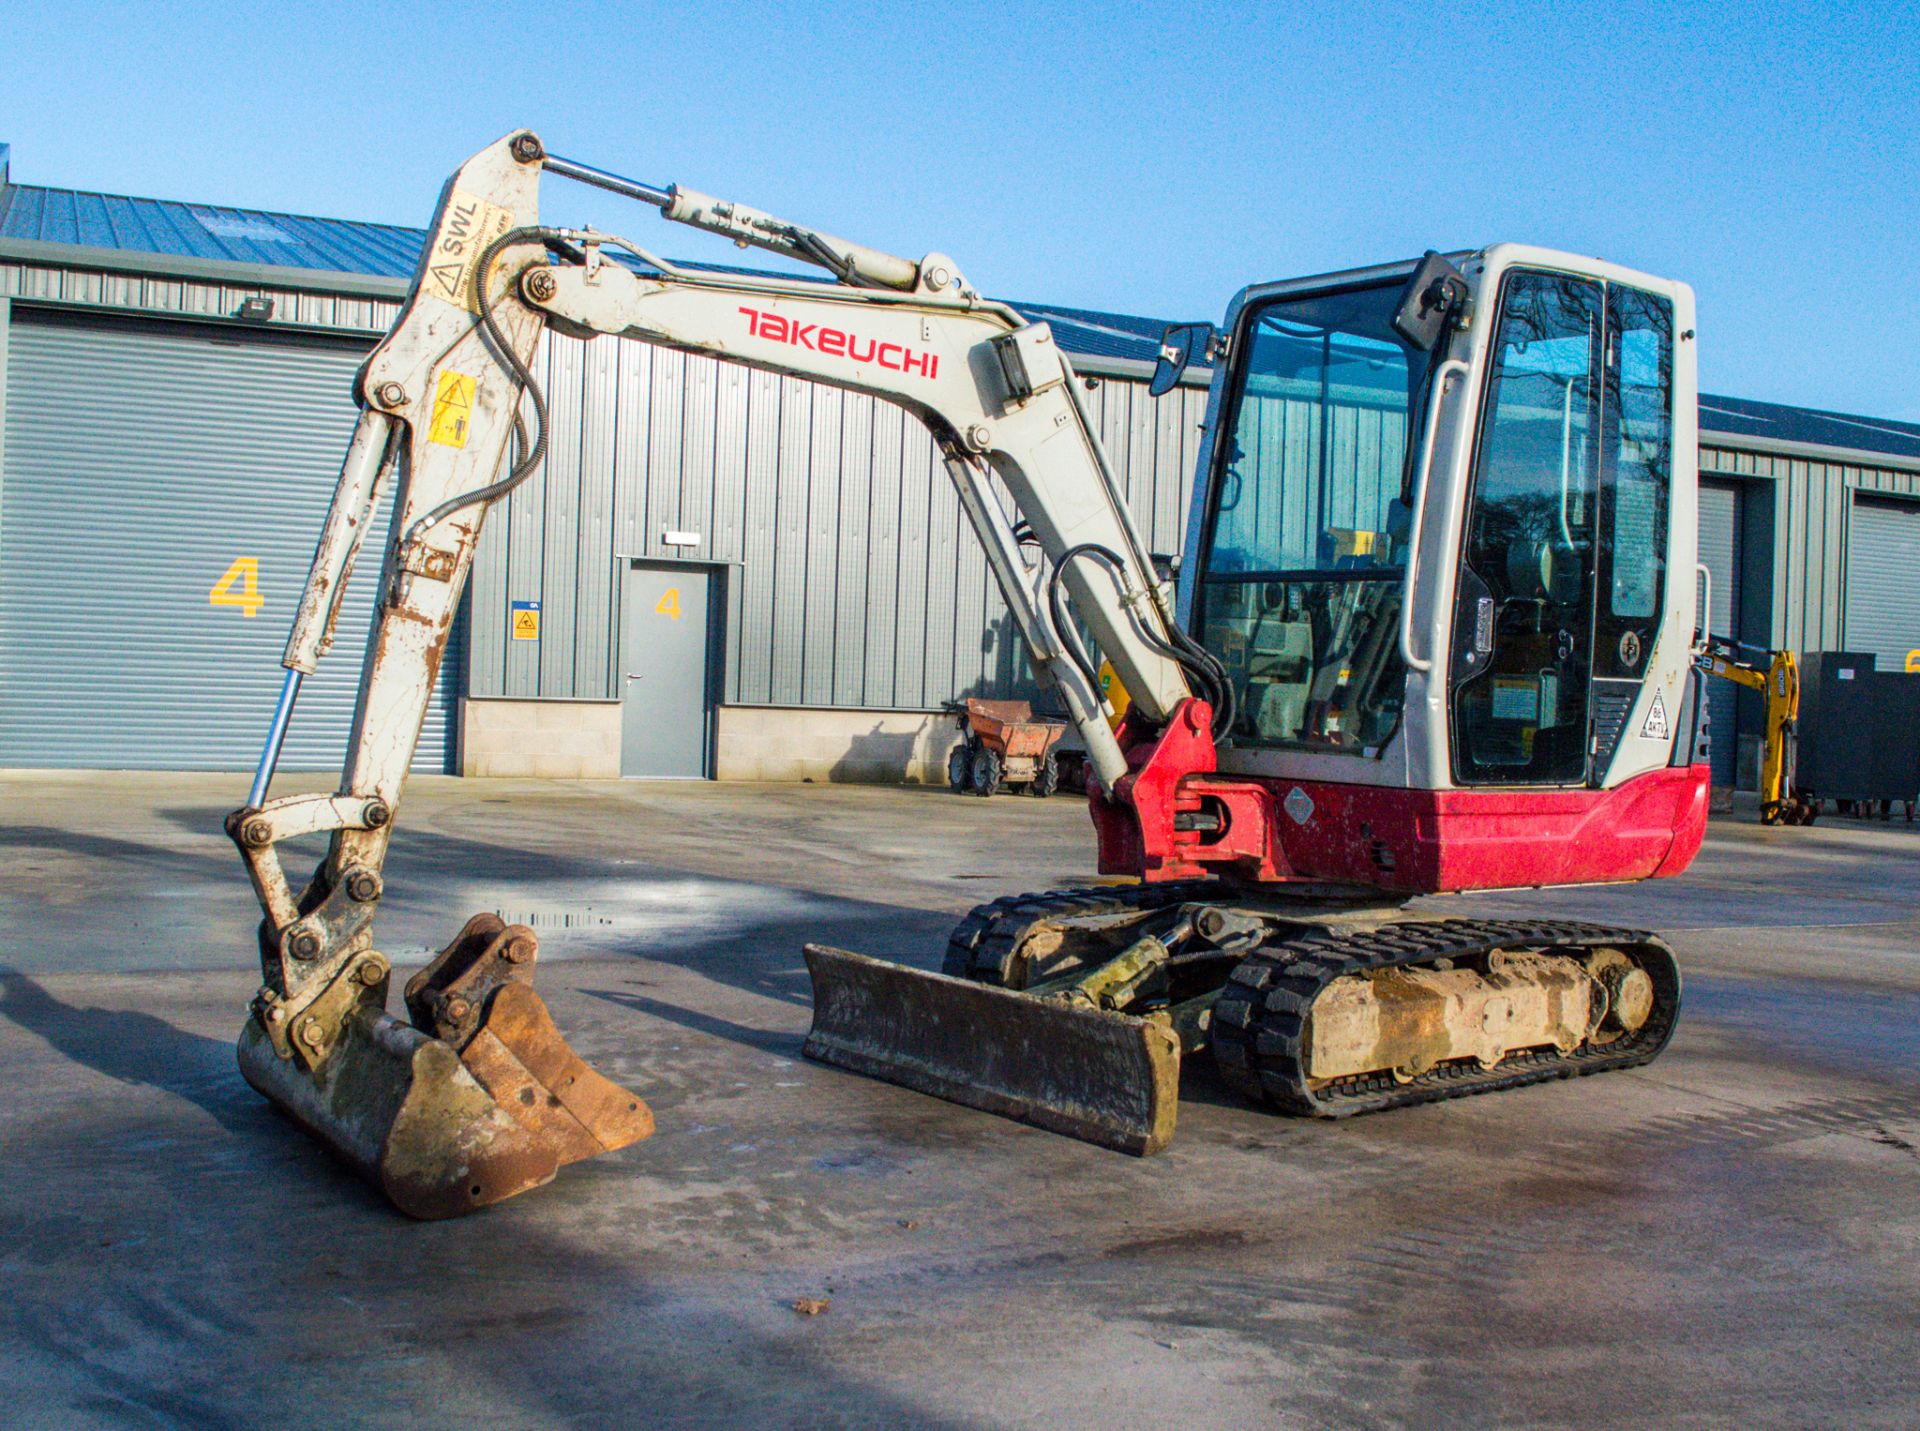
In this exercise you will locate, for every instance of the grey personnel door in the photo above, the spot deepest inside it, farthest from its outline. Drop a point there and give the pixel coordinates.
(666, 683)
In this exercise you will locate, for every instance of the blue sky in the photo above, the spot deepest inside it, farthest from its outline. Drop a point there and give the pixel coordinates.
(1148, 159)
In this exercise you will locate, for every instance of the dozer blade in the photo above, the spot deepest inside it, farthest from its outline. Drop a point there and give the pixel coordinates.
(487, 1101)
(1090, 1074)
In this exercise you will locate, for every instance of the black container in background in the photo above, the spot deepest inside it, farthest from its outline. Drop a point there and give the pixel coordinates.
(1896, 734)
(1859, 729)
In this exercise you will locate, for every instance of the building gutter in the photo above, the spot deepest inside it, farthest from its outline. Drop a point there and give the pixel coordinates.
(238, 275)
(1804, 452)
(1133, 369)
(122, 312)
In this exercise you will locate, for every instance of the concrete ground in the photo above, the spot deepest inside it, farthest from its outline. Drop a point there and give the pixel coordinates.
(1731, 1235)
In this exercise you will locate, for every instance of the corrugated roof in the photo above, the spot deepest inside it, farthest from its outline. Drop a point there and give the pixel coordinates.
(253, 236)
(1775, 422)
(207, 231)
(1093, 334)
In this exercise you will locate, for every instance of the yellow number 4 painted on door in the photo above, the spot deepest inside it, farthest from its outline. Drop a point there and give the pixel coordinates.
(245, 573)
(669, 605)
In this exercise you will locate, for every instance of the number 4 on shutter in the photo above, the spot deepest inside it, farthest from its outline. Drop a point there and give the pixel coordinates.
(669, 605)
(245, 574)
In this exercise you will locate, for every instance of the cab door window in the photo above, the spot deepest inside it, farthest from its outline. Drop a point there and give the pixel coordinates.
(1524, 621)
(1636, 473)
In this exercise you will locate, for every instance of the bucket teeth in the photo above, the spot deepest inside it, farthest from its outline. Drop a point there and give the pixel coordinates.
(480, 1099)
(1102, 1077)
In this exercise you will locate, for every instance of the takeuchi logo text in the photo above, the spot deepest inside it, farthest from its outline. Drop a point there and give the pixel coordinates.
(818, 338)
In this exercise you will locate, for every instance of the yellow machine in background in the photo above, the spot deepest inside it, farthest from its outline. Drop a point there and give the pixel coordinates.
(1777, 674)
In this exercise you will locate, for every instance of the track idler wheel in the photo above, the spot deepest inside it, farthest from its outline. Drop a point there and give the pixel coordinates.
(477, 1100)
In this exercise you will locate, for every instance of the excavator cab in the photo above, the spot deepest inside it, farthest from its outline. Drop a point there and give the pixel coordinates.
(1441, 541)
(1477, 524)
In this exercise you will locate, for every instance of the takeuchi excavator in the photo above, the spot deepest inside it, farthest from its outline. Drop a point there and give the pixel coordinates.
(1432, 633)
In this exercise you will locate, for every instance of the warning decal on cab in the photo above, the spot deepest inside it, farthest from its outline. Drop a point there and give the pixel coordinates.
(1656, 726)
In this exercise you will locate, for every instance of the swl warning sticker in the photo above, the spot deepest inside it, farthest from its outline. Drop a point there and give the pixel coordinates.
(469, 224)
(452, 410)
(1656, 724)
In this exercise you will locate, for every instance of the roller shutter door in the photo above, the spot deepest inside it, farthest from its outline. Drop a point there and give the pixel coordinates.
(1883, 583)
(1720, 554)
(142, 463)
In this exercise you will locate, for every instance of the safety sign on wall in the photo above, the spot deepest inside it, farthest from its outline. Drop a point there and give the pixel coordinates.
(525, 622)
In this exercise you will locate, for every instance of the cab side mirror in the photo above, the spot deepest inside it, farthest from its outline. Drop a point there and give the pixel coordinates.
(1180, 345)
(1433, 296)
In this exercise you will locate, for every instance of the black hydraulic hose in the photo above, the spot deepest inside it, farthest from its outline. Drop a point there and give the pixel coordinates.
(529, 458)
(1206, 670)
(1063, 628)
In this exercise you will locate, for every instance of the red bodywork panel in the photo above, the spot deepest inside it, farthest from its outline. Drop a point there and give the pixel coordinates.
(1260, 831)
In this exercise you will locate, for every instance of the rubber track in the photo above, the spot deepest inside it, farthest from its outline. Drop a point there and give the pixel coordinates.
(981, 946)
(1259, 1021)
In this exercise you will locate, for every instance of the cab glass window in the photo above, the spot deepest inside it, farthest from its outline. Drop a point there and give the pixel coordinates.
(1299, 593)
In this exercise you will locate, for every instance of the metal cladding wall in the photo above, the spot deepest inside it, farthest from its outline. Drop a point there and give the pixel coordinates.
(142, 461)
(1811, 501)
(1883, 582)
(857, 583)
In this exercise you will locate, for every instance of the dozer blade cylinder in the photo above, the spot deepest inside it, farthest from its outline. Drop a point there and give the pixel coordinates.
(1094, 1075)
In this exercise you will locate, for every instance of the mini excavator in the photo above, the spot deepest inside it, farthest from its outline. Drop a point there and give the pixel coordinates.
(1432, 634)
(1776, 675)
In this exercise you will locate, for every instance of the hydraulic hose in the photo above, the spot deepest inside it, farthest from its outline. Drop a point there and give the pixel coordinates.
(529, 458)
(1205, 669)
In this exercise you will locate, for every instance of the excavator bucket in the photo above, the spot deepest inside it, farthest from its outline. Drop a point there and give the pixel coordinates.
(479, 1098)
(1068, 1067)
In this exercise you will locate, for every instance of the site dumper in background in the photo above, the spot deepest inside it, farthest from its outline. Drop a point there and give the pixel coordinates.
(1002, 745)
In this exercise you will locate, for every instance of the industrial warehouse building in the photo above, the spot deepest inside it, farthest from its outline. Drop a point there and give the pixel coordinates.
(718, 572)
